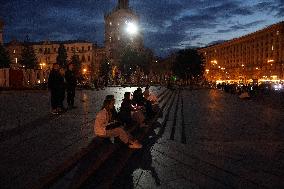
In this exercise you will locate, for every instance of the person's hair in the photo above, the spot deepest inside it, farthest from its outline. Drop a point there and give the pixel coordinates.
(109, 97)
(106, 103)
(127, 95)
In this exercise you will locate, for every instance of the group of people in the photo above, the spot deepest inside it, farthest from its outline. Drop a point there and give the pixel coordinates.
(133, 112)
(59, 82)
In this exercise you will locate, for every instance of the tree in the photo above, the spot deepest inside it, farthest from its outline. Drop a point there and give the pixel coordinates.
(105, 68)
(61, 58)
(132, 59)
(188, 64)
(4, 58)
(28, 56)
(77, 64)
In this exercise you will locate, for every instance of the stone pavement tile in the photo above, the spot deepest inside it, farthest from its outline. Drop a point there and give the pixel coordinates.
(232, 168)
(199, 178)
(167, 130)
(162, 159)
(182, 184)
(217, 172)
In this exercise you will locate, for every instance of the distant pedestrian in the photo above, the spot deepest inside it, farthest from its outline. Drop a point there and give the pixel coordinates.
(54, 88)
(71, 82)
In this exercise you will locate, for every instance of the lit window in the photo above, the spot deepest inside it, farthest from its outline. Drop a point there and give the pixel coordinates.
(277, 33)
(14, 51)
(272, 48)
(16, 60)
(110, 23)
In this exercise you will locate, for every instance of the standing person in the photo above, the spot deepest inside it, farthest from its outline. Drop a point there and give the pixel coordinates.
(103, 126)
(53, 86)
(61, 88)
(71, 82)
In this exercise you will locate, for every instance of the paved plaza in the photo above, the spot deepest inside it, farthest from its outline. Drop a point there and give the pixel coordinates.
(204, 139)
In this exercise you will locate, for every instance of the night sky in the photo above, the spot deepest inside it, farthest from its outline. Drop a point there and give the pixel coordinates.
(167, 25)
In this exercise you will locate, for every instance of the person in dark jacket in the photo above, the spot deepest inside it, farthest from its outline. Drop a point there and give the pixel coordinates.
(126, 108)
(62, 89)
(54, 88)
(71, 82)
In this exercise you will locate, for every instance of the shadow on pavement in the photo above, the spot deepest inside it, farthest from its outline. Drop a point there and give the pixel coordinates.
(142, 159)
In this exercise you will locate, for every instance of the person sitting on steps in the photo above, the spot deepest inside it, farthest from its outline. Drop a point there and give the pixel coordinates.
(106, 129)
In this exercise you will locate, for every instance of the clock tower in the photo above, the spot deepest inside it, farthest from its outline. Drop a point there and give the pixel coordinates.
(123, 4)
(121, 31)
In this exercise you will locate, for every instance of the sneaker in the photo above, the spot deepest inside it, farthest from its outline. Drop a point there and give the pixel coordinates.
(135, 145)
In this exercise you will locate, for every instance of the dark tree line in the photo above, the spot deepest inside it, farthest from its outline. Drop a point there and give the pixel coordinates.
(28, 56)
(132, 59)
(4, 58)
(188, 64)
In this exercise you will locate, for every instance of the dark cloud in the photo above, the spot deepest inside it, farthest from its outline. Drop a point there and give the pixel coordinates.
(167, 24)
(240, 26)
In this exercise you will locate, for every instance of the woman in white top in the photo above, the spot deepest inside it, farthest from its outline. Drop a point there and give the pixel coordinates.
(103, 127)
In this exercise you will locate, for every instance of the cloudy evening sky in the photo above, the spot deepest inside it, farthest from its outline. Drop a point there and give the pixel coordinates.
(167, 25)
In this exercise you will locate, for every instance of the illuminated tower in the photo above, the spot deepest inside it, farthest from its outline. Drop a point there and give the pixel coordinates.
(121, 30)
(123, 4)
(1, 31)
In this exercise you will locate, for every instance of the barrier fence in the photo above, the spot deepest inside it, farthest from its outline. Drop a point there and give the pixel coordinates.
(22, 78)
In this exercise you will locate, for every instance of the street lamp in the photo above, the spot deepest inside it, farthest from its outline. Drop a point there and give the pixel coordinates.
(84, 71)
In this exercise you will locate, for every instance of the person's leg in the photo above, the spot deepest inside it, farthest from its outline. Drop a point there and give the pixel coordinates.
(72, 96)
(123, 135)
(69, 97)
(53, 100)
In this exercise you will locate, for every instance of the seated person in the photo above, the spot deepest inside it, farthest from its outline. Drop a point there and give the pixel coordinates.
(126, 108)
(114, 113)
(104, 128)
(138, 97)
(130, 113)
(149, 96)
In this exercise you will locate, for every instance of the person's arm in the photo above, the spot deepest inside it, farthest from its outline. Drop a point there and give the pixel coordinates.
(100, 123)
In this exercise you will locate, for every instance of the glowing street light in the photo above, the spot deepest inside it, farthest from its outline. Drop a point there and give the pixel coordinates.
(84, 71)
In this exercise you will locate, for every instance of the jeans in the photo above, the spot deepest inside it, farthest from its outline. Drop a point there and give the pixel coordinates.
(70, 96)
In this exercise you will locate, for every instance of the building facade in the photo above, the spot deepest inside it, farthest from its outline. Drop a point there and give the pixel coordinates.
(121, 31)
(47, 52)
(99, 56)
(256, 56)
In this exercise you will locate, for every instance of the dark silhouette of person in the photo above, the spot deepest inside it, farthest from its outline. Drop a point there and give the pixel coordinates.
(54, 88)
(62, 89)
(125, 109)
(71, 82)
